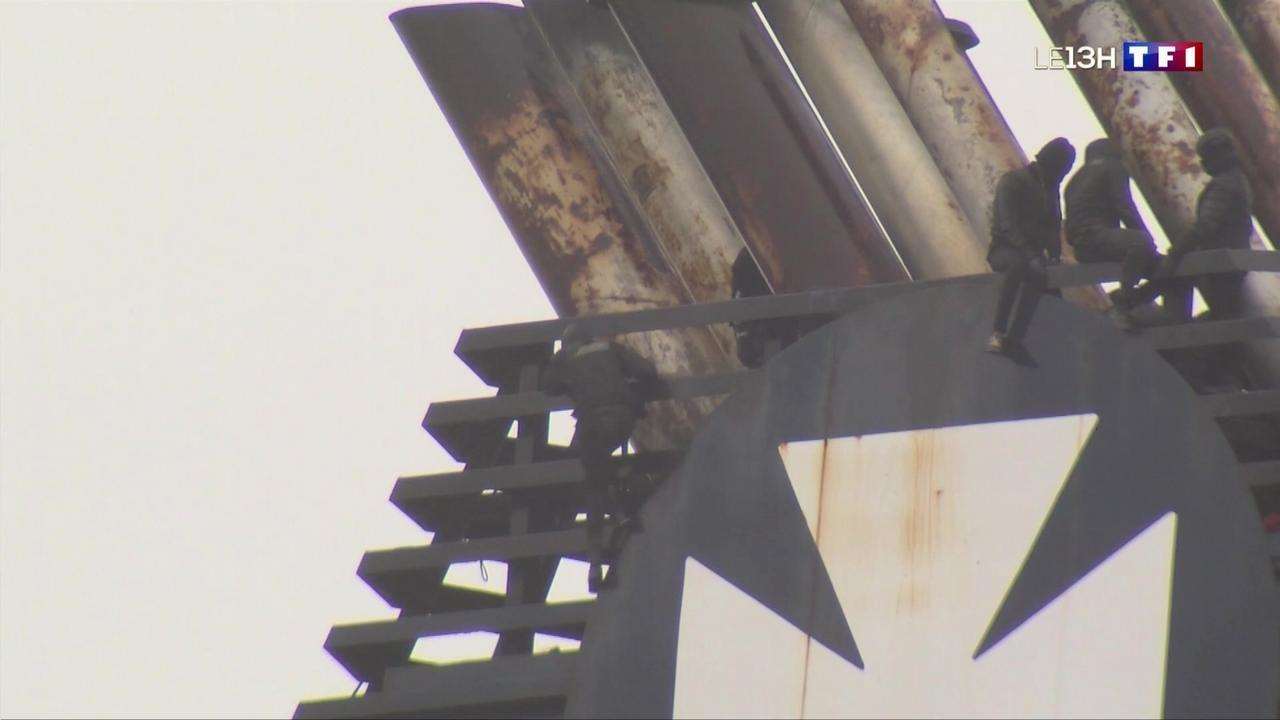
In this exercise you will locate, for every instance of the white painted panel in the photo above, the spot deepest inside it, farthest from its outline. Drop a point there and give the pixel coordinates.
(736, 658)
(1098, 650)
(922, 533)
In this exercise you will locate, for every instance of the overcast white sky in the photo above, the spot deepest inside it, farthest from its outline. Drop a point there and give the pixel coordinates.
(237, 244)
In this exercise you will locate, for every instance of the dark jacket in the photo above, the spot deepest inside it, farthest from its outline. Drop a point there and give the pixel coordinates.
(1098, 194)
(1026, 214)
(1222, 213)
(748, 281)
(601, 373)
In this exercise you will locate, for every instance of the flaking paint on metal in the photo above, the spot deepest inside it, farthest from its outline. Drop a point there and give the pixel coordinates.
(1143, 112)
(493, 82)
(1258, 22)
(955, 115)
(950, 108)
(1230, 92)
(760, 144)
(1156, 134)
(644, 146)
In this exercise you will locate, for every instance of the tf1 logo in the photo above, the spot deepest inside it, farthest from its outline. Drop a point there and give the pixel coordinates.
(1164, 56)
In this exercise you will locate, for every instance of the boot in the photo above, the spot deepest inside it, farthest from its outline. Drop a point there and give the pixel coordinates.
(996, 343)
(1123, 319)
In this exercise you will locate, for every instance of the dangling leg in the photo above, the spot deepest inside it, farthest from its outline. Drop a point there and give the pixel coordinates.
(1014, 272)
(1033, 287)
(586, 442)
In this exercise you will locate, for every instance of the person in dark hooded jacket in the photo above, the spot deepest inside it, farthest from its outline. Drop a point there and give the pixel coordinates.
(1026, 220)
(608, 385)
(1098, 202)
(1223, 220)
(755, 336)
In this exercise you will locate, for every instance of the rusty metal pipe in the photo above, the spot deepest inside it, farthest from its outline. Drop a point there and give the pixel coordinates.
(643, 143)
(500, 89)
(1231, 92)
(1258, 22)
(949, 106)
(914, 203)
(759, 143)
(1143, 113)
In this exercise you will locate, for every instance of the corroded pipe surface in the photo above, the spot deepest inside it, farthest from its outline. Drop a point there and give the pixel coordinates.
(760, 144)
(949, 106)
(918, 209)
(1231, 92)
(644, 144)
(1258, 22)
(1143, 113)
(940, 90)
(496, 83)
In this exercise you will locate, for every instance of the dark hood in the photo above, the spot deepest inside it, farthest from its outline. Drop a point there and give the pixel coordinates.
(1217, 151)
(1101, 149)
(1055, 159)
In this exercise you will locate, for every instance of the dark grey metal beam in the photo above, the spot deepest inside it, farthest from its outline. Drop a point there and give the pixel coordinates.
(545, 675)
(432, 595)
(464, 427)
(1262, 474)
(417, 488)
(1206, 262)
(1255, 402)
(409, 577)
(535, 476)
(368, 649)
(515, 686)
(452, 423)
(479, 515)
(490, 351)
(1218, 332)
(475, 502)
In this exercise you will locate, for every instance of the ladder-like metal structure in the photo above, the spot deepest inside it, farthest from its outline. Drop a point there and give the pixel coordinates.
(517, 498)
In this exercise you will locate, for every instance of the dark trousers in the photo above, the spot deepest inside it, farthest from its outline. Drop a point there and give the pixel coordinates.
(1023, 283)
(600, 431)
(754, 337)
(1133, 248)
(1223, 292)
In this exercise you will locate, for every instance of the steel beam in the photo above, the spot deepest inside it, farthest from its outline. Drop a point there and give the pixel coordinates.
(529, 686)
(486, 350)
(1227, 404)
(484, 684)
(1231, 92)
(504, 94)
(367, 649)
(1259, 24)
(415, 489)
(1143, 113)
(466, 428)
(759, 143)
(410, 577)
(1262, 474)
(1216, 332)
(921, 214)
